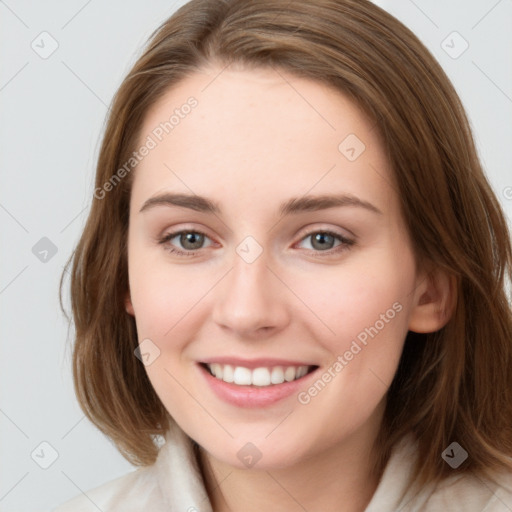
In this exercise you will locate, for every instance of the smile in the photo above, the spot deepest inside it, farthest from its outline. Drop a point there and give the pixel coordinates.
(262, 376)
(255, 383)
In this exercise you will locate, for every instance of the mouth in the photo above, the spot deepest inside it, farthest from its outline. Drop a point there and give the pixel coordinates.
(260, 376)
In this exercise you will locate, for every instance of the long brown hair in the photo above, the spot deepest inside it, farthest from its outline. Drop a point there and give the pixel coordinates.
(451, 385)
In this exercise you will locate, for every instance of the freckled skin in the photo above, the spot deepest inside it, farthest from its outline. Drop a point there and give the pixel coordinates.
(252, 143)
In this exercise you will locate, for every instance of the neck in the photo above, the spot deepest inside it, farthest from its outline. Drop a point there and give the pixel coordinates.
(339, 479)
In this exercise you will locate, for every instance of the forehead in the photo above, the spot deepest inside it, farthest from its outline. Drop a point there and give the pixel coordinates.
(251, 129)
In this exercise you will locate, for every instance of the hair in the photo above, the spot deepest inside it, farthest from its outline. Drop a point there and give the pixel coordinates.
(451, 385)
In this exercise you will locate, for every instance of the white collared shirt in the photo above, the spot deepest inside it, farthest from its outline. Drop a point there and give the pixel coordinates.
(174, 484)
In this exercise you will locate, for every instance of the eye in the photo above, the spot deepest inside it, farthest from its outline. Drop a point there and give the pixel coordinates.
(190, 241)
(323, 241)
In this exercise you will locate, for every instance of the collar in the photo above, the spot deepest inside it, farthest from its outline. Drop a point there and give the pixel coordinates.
(178, 473)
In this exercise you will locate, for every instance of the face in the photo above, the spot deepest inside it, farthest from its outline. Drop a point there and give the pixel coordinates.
(266, 246)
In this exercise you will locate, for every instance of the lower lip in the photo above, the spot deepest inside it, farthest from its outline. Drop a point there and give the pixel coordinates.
(253, 396)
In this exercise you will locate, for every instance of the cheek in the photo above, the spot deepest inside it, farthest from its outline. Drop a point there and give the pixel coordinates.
(167, 304)
(367, 310)
(164, 295)
(352, 298)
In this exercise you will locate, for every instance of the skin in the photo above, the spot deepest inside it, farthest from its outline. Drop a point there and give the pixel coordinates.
(256, 139)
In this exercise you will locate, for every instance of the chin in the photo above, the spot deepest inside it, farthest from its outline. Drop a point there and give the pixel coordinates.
(255, 453)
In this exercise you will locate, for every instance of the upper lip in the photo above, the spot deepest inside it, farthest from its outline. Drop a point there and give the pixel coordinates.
(254, 363)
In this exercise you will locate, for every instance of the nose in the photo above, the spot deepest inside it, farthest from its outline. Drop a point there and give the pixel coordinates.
(251, 301)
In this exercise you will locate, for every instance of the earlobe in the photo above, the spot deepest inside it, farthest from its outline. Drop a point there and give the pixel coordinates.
(128, 304)
(435, 299)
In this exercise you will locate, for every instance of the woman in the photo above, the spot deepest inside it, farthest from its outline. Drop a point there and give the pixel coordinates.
(294, 272)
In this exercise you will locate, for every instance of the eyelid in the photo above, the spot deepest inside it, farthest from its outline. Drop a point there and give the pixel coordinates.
(338, 231)
(304, 232)
(184, 228)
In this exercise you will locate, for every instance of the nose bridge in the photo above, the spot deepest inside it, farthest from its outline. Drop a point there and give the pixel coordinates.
(248, 299)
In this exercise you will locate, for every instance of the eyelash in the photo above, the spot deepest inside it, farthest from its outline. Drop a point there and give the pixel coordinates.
(344, 245)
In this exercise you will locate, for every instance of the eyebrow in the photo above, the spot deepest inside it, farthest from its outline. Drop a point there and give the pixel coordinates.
(293, 205)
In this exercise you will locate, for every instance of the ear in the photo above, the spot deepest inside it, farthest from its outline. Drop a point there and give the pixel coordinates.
(434, 301)
(128, 304)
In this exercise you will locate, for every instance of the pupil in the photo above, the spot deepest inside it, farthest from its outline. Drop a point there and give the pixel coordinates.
(191, 238)
(320, 237)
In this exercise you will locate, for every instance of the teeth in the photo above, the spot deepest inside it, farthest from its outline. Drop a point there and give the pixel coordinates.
(290, 373)
(217, 370)
(242, 376)
(229, 373)
(302, 371)
(277, 375)
(259, 376)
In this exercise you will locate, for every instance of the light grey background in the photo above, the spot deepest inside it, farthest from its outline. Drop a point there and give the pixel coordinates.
(52, 112)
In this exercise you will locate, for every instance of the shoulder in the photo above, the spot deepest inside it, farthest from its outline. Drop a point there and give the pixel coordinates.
(173, 481)
(134, 491)
(473, 492)
(468, 491)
